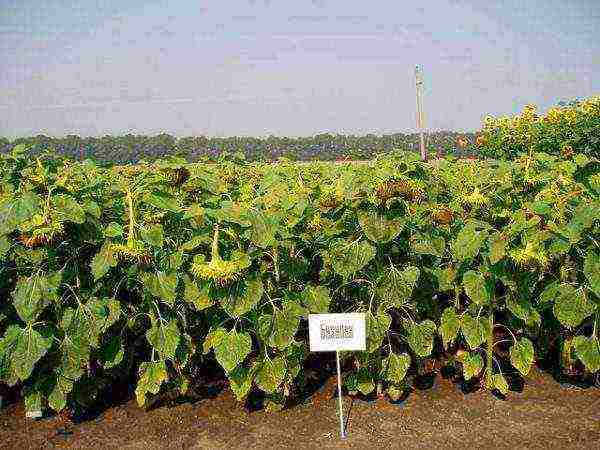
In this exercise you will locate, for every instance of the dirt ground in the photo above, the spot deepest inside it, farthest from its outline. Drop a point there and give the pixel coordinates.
(544, 415)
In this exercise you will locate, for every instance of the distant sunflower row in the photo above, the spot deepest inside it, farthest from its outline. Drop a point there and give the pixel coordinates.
(563, 130)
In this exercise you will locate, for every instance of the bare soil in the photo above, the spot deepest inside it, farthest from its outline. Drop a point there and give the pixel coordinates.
(544, 415)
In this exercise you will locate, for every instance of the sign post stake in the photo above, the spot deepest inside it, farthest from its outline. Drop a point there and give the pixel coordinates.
(339, 385)
(335, 333)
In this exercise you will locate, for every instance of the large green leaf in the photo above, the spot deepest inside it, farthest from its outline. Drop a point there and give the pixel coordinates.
(68, 209)
(17, 210)
(395, 367)
(240, 381)
(394, 287)
(588, 351)
(472, 364)
(233, 349)
(270, 374)
(572, 306)
(449, 325)
(152, 376)
(243, 298)
(522, 355)
(427, 245)
(102, 262)
(474, 284)
(316, 299)
(32, 295)
(420, 337)
(162, 285)
(467, 243)
(377, 228)
(164, 338)
(475, 330)
(348, 258)
(199, 297)
(591, 268)
(31, 346)
(377, 328)
(263, 229)
(8, 344)
(285, 326)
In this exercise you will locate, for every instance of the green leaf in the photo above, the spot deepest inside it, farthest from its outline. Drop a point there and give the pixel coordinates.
(68, 209)
(347, 259)
(467, 243)
(571, 306)
(525, 311)
(243, 298)
(377, 228)
(113, 230)
(32, 295)
(316, 299)
(395, 287)
(153, 235)
(213, 338)
(500, 383)
(8, 343)
(31, 346)
(285, 326)
(591, 269)
(233, 349)
(472, 364)
(377, 328)
(588, 351)
(474, 284)
(102, 262)
(521, 355)
(420, 337)
(17, 210)
(240, 381)
(449, 325)
(270, 374)
(427, 245)
(112, 353)
(4, 247)
(163, 201)
(445, 278)
(164, 338)
(263, 229)
(395, 367)
(200, 298)
(497, 248)
(365, 382)
(152, 376)
(162, 286)
(475, 331)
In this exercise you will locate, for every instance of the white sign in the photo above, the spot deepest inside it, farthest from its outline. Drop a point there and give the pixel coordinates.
(337, 332)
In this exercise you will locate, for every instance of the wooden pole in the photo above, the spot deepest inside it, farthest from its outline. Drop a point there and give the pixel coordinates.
(419, 86)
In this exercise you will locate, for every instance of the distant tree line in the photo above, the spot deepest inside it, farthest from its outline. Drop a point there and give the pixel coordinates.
(132, 148)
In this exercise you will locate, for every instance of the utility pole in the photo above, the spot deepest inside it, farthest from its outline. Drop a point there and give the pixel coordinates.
(419, 85)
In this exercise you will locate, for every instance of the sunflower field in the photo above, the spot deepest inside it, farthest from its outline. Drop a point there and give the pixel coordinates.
(155, 270)
(564, 130)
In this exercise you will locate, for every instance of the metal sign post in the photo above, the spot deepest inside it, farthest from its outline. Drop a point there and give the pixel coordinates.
(340, 404)
(419, 85)
(337, 332)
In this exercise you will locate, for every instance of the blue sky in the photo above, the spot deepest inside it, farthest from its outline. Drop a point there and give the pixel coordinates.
(293, 68)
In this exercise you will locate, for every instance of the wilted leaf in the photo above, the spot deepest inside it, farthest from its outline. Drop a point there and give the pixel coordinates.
(395, 367)
(588, 351)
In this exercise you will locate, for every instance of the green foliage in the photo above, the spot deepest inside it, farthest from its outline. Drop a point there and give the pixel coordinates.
(163, 267)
